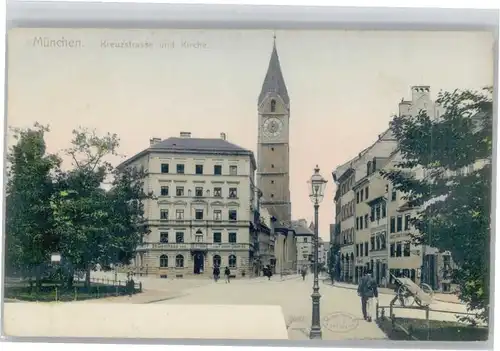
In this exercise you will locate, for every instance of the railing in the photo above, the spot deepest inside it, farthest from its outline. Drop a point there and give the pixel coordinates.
(380, 316)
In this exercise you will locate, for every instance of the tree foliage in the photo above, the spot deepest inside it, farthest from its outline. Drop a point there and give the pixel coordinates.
(452, 206)
(29, 223)
(68, 211)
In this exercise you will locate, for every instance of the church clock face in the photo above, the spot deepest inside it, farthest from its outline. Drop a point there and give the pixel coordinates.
(273, 127)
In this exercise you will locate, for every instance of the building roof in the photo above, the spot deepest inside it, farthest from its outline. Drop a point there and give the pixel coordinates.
(187, 145)
(301, 229)
(274, 81)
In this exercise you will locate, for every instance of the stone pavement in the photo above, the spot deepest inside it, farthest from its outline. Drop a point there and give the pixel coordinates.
(340, 306)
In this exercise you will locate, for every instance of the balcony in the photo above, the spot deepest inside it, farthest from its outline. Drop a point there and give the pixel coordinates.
(198, 223)
(193, 246)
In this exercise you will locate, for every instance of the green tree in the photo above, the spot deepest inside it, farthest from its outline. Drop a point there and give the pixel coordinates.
(453, 208)
(81, 205)
(30, 235)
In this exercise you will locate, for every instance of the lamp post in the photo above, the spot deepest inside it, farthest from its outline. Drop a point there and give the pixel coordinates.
(317, 186)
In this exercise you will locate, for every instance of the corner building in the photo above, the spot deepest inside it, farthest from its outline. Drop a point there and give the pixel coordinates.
(202, 214)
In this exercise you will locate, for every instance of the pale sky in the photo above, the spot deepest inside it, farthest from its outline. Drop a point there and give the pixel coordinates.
(343, 86)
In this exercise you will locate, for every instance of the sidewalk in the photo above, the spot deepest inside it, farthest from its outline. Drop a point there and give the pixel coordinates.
(147, 296)
(449, 298)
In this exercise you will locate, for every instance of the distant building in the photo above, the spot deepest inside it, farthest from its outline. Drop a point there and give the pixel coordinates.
(304, 242)
(203, 211)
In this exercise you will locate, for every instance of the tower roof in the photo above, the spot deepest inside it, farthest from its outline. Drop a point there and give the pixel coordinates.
(274, 81)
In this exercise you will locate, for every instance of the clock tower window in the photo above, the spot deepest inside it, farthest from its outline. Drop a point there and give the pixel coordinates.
(273, 105)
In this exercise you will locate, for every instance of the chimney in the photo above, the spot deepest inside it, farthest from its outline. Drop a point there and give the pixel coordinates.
(185, 134)
(153, 141)
(223, 136)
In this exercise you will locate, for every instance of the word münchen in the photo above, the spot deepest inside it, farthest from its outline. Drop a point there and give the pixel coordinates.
(62, 42)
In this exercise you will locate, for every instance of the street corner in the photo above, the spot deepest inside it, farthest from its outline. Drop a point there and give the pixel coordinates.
(340, 322)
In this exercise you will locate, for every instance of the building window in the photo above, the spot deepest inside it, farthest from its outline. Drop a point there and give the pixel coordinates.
(179, 191)
(366, 248)
(217, 192)
(394, 195)
(217, 215)
(217, 238)
(179, 214)
(357, 249)
(377, 211)
(393, 224)
(305, 240)
(164, 191)
(163, 261)
(179, 238)
(357, 223)
(406, 250)
(372, 243)
(163, 214)
(232, 238)
(398, 249)
(198, 215)
(233, 215)
(164, 168)
(357, 197)
(217, 170)
(272, 181)
(198, 237)
(273, 105)
(399, 225)
(179, 261)
(407, 221)
(232, 261)
(272, 166)
(272, 195)
(233, 170)
(372, 215)
(361, 195)
(366, 221)
(164, 237)
(368, 168)
(366, 193)
(199, 169)
(360, 222)
(233, 193)
(180, 169)
(198, 192)
(392, 250)
(384, 209)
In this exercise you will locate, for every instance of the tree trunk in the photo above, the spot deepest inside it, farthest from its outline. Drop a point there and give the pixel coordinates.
(87, 276)
(38, 278)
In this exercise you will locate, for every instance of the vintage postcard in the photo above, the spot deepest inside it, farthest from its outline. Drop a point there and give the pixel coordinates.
(248, 184)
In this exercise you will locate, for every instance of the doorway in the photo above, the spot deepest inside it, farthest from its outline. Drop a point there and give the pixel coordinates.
(199, 262)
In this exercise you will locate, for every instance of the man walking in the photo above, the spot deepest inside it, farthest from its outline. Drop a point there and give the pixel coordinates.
(227, 273)
(367, 290)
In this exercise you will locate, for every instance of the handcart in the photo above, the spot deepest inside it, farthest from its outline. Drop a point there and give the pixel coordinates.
(409, 293)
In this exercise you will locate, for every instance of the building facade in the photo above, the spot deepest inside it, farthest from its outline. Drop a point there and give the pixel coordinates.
(202, 213)
(273, 151)
(382, 227)
(305, 244)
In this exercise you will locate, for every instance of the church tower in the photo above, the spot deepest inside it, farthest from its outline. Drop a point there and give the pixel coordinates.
(273, 152)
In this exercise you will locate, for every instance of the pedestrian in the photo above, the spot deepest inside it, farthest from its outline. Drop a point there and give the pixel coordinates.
(216, 273)
(367, 290)
(227, 272)
(303, 272)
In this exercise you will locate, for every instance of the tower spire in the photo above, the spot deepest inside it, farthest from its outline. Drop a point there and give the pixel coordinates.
(274, 81)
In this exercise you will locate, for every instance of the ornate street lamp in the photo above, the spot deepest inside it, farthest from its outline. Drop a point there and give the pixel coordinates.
(317, 186)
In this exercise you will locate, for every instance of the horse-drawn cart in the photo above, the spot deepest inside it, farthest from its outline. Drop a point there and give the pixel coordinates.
(409, 293)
